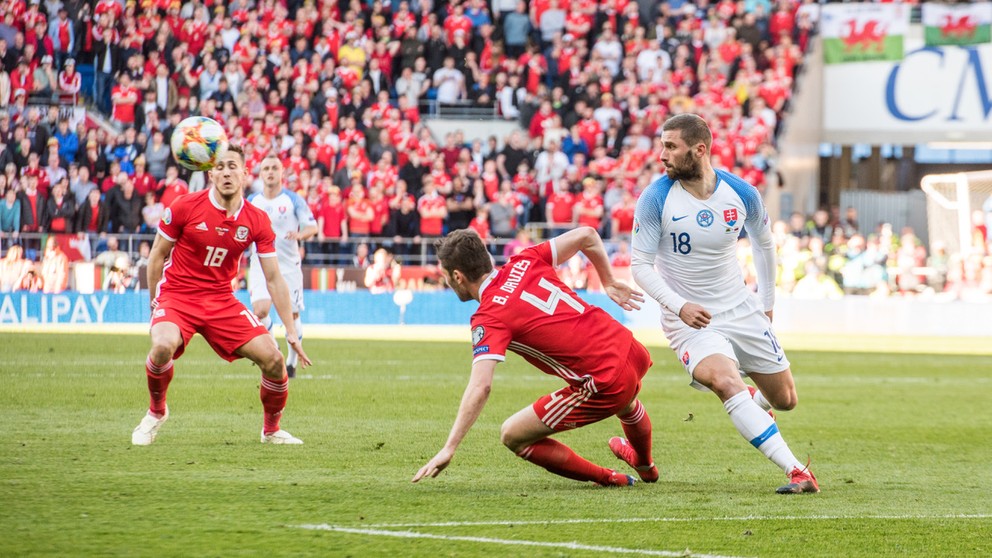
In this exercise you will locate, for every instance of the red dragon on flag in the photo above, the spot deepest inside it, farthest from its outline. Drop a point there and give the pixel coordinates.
(870, 37)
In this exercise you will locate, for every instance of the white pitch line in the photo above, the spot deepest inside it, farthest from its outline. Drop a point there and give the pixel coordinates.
(508, 542)
(672, 520)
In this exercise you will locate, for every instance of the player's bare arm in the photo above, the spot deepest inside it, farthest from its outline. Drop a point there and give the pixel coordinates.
(587, 241)
(305, 234)
(284, 307)
(473, 401)
(160, 251)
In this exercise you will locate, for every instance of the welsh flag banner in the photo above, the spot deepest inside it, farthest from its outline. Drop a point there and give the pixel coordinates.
(863, 32)
(957, 24)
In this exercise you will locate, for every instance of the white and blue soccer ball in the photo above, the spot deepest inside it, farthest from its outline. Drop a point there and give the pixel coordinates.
(198, 142)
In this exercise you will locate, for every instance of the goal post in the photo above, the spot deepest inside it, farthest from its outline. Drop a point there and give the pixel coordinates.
(952, 203)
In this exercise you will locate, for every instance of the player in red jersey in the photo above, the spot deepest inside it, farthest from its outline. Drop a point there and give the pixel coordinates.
(202, 236)
(525, 308)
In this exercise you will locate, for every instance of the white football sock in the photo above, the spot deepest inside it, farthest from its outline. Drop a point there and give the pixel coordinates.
(760, 430)
(759, 398)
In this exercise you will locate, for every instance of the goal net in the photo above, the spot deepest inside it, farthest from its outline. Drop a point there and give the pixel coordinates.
(955, 204)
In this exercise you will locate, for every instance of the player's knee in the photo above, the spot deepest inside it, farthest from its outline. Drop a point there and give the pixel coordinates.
(507, 438)
(160, 353)
(163, 347)
(273, 365)
(725, 386)
(262, 313)
(787, 402)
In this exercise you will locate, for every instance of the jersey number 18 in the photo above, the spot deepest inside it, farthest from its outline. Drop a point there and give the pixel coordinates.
(680, 243)
(215, 256)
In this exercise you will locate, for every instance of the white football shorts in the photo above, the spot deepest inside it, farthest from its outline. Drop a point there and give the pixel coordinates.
(294, 282)
(743, 334)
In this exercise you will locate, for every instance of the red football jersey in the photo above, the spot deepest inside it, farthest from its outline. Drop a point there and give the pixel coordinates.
(209, 244)
(527, 309)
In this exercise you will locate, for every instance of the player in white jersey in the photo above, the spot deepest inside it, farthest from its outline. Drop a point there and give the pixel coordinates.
(686, 227)
(292, 222)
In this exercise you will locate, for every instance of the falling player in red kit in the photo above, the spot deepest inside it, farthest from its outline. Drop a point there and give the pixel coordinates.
(525, 308)
(203, 236)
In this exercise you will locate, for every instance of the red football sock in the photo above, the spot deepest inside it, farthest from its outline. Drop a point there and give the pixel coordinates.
(159, 376)
(561, 460)
(637, 428)
(273, 394)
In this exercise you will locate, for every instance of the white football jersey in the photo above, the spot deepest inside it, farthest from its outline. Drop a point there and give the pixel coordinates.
(288, 213)
(693, 242)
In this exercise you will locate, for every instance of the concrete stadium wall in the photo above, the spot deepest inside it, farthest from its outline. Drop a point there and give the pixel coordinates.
(473, 129)
(850, 315)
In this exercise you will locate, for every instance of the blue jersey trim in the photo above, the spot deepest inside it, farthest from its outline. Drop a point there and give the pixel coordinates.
(748, 194)
(658, 192)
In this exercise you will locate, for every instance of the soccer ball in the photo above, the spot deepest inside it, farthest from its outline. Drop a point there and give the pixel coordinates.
(198, 142)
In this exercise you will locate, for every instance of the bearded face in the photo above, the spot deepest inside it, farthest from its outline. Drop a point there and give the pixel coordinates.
(685, 167)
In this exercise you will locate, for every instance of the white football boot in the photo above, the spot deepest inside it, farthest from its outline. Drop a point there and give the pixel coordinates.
(280, 437)
(146, 431)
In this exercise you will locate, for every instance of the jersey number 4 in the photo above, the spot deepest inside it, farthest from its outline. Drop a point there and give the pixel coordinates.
(550, 304)
(215, 256)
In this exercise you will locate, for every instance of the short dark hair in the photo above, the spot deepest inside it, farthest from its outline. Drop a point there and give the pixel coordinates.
(464, 251)
(235, 148)
(693, 128)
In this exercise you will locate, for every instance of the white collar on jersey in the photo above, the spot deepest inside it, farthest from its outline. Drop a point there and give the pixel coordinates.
(482, 287)
(217, 204)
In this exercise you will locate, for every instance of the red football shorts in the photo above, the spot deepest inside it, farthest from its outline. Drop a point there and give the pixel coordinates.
(224, 322)
(572, 406)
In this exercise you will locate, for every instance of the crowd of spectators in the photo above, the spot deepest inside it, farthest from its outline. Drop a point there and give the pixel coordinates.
(826, 256)
(340, 91)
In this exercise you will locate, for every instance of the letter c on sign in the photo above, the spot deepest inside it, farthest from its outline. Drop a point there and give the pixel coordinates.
(890, 88)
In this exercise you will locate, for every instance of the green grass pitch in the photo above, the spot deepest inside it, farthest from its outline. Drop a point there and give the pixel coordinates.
(900, 443)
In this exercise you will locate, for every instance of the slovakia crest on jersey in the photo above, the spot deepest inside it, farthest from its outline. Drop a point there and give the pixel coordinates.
(282, 209)
(730, 216)
(242, 233)
(704, 218)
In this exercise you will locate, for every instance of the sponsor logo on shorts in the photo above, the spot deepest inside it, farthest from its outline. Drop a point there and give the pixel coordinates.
(477, 334)
(568, 425)
(242, 233)
(685, 358)
(159, 312)
(479, 350)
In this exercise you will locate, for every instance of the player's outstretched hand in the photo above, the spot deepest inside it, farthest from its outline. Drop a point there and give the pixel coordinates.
(434, 467)
(625, 297)
(297, 345)
(694, 315)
